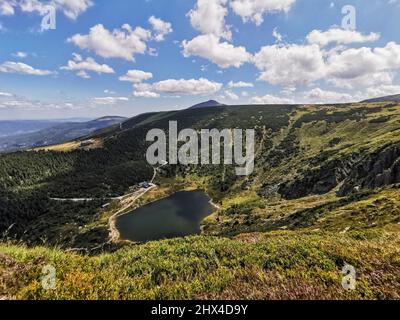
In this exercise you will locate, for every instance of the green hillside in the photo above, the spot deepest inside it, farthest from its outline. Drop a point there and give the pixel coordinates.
(325, 192)
(279, 265)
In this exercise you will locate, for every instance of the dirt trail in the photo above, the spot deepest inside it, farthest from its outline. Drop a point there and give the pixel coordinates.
(126, 203)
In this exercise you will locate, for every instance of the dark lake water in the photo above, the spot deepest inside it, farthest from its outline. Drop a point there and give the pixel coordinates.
(178, 215)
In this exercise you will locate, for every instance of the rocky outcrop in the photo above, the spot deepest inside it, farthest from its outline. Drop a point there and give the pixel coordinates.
(376, 170)
(269, 190)
(356, 172)
(320, 180)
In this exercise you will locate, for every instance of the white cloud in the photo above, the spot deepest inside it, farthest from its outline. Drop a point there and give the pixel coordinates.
(34, 105)
(315, 95)
(340, 36)
(20, 54)
(160, 27)
(5, 94)
(122, 43)
(294, 65)
(271, 99)
(22, 68)
(290, 65)
(71, 8)
(152, 52)
(208, 17)
(323, 96)
(278, 37)
(83, 66)
(367, 80)
(146, 94)
(353, 63)
(231, 95)
(240, 84)
(254, 10)
(223, 54)
(7, 7)
(109, 100)
(318, 95)
(136, 76)
(364, 67)
(19, 103)
(381, 91)
(180, 87)
(83, 74)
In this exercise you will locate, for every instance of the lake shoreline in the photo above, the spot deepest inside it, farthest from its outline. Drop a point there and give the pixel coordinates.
(115, 234)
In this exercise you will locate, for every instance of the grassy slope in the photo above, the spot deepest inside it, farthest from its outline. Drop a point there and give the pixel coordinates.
(279, 265)
(276, 248)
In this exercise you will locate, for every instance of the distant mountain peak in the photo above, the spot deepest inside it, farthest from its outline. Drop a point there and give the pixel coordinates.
(207, 104)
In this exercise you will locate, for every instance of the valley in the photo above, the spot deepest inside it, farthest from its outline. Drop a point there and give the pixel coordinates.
(324, 193)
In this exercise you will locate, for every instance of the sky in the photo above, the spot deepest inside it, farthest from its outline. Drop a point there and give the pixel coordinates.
(91, 58)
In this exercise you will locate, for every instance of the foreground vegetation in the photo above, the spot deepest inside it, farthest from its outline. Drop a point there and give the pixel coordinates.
(279, 265)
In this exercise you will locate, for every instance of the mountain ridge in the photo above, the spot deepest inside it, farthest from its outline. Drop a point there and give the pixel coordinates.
(391, 98)
(57, 134)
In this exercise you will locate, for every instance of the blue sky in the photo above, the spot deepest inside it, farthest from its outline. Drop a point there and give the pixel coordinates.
(128, 57)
